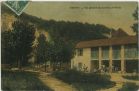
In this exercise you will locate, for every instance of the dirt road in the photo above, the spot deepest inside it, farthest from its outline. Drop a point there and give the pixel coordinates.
(55, 84)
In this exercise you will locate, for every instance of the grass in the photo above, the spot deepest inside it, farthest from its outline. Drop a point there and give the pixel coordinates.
(84, 81)
(134, 77)
(17, 81)
(129, 87)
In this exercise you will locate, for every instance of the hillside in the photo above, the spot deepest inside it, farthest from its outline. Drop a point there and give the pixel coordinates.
(67, 30)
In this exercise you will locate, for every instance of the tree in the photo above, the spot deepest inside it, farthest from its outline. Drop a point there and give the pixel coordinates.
(58, 53)
(135, 25)
(7, 48)
(41, 49)
(23, 37)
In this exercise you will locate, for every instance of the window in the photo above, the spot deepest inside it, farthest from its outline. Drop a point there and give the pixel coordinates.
(80, 66)
(116, 52)
(105, 53)
(94, 53)
(131, 51)
(80, 52)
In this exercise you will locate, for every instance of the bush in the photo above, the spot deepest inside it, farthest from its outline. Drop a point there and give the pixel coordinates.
(134, 77)
(129, 87)
(84, 81)
(19, 80)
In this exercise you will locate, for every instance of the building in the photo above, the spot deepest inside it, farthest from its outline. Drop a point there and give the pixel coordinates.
(116, 54)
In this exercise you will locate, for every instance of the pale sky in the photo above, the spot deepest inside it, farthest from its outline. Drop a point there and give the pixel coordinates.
(112, 14)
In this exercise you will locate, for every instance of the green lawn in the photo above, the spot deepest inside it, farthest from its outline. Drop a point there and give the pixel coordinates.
(17, 81)
(85, 81)
(129, 87)
(134, 77)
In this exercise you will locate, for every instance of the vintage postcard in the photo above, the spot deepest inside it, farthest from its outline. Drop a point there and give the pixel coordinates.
(69, 46)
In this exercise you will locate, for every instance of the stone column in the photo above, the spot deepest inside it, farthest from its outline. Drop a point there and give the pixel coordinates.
(122, 59)
(100, 57)
(110, 59)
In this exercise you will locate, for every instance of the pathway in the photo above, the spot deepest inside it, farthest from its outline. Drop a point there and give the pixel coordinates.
(119, 82)
(58, 85)
(55, 84)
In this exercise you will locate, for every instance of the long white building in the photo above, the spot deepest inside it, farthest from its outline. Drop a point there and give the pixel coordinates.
(118, 54)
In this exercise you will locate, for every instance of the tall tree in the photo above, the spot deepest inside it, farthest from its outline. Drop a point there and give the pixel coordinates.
(23, 37)
(135, 25)
(7, 48)
(41, 49)
(60, 50)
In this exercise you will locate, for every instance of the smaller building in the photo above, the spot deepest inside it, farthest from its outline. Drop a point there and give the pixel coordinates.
(116, 54)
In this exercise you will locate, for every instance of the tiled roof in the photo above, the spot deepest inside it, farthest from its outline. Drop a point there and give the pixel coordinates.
(108, 42)
(119, 33)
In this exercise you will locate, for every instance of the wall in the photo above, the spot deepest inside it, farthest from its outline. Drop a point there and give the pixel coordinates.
(85, 60)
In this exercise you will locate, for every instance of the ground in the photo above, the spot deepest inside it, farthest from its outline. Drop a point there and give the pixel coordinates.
(119, 82)
(54, 83)
(21, 80)
(58, 85)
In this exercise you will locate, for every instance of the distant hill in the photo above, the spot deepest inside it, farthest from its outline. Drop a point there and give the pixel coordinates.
(76, 31)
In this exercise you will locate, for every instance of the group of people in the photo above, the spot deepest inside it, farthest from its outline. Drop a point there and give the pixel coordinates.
(83, 68)
(105, 69)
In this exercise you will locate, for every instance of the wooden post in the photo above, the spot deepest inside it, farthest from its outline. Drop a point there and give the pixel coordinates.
(110, 59)
(100, 58)
(122, 59)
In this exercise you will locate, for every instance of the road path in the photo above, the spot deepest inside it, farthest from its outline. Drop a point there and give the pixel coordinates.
(119, 82)
(58, 85)
(55, 84)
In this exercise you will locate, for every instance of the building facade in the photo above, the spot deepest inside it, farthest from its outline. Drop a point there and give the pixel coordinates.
(118, 54)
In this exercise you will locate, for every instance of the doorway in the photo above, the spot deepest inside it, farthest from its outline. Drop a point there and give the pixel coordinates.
(116, 65)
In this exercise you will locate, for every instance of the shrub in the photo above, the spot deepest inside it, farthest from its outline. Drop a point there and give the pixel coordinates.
(134, 77)
(19, 80)
(129, 87)
(85, 81)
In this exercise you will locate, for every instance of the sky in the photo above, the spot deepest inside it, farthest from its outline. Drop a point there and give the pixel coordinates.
(111, 14)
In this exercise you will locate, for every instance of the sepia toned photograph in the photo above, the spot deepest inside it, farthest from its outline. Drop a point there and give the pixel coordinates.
(69, 46)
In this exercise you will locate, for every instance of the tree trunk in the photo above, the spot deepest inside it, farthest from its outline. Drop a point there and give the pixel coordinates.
(54, 67)
(19, 64)
(45, 66)
(60, 68)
